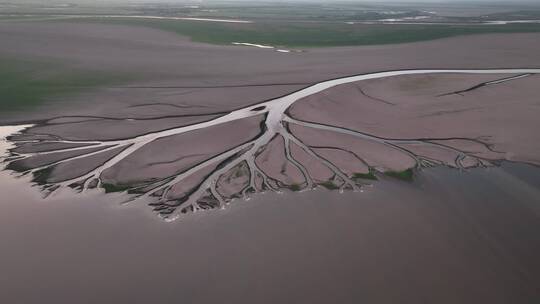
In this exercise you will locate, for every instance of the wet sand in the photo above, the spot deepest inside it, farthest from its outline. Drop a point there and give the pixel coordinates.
(162, 59)
(498, 110)
(449, 237)
(389, 123)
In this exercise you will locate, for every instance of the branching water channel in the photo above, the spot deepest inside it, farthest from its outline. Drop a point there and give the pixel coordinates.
(237, 172)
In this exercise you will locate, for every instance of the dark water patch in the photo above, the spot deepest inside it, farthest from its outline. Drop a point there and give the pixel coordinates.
(258, 108)
(526, 173)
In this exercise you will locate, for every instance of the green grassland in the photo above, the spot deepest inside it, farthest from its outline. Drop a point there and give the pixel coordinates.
(25, 84)
(407, 175)
(319, 34)
(28, 84)
(293, 24)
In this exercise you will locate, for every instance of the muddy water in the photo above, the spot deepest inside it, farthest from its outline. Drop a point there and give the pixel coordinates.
(449, 237)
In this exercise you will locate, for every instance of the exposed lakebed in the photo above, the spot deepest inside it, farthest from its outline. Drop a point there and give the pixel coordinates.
(339, 134)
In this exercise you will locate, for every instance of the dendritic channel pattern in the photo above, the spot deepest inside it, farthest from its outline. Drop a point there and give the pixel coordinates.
(259, 148)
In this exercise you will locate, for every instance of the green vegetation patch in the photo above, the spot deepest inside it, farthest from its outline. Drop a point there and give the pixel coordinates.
(41, 176)
(329, 185)
(111, 188)
(26, 84)
(406, 175)
(295, 187)
(370, 175)
(17, 166)
(312, 34)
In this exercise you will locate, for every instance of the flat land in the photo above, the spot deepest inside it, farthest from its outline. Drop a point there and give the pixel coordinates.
(109, 68)
(175, 118)
(167, 82)
(435, 106)
(296, 25)
(300, 35)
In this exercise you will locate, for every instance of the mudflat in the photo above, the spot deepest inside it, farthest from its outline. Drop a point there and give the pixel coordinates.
(433, 147)
(388, 125)
(338, 134)
(156, 60)
(453, 107)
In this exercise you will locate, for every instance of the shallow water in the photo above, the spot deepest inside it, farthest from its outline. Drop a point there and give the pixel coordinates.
(449, 237)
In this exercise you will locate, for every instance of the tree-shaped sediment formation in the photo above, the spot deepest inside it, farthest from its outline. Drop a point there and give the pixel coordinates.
(339, 134)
